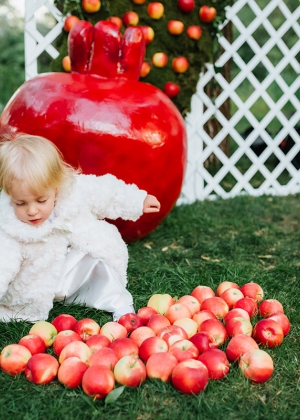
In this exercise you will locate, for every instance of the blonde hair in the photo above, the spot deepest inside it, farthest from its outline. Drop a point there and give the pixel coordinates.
(35, 160)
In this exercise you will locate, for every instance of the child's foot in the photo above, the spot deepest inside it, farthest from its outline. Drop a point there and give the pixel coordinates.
(122, 311)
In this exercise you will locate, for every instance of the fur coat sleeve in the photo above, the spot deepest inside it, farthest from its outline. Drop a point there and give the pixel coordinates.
(10, 262)
(110, 197)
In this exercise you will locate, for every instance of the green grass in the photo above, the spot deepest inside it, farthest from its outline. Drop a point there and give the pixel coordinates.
(243, 239)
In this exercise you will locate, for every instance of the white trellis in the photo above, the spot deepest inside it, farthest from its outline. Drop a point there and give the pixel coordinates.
(199, 182)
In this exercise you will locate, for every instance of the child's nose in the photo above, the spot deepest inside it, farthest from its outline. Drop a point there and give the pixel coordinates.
(32, 210)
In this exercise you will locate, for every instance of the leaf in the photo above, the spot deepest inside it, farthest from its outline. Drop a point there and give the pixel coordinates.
(114, 395)
(165, 249)
(205, 258)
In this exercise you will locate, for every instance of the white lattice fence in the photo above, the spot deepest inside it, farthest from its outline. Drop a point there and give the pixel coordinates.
(200, 183)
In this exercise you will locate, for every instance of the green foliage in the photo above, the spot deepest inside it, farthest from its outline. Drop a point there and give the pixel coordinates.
(197, 52)
(242, 239)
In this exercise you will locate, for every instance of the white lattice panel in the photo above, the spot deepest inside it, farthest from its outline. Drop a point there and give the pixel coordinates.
(200, 183)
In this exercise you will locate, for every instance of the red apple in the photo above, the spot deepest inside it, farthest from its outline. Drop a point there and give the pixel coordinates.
(155, 10)
(130, 321)
(194, 32)
(175, 27)
(130, 371)
(145, 312)
(183, 350)
(34, 343)
(253, 290)
(203, 341)
(124, 347)
(171, 89)
(239, 345)
(269, 307)
(160, 366)
(282, 319)
(113, 330)
(201, 316)
(216, 362)
(239, 325)
(231, 296)
(71, 371)
(69, 22)
(41, 368)
(188, 324)
(176, 311)
(130, 18)
(191, 302)
(116, 20)
(268, 333)
(216, 329)
(202, 292)
(157, 322)
(64, 322)
(75, 348)
(249, 305)
(160, 59)
(172, 334)
(91, 6)
(98, 381)
(180, 64)
(148, 33)
(151, 346)
(216, 305)
(45, 330)
(236, 312)
(207, 14)
(104, 357)
(145, 69)
(224, 286)
(161, 302)
(257, 365)
(190, 376)
(186, 6)
(63, 338)
(14, 358)
(86, 327)
(97, 342)
(141, 333)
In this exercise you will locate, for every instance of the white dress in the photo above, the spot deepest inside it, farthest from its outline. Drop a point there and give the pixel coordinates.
(90, 281)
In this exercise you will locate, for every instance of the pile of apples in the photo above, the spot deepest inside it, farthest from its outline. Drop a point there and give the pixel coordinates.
(174, 340)
(155, 11)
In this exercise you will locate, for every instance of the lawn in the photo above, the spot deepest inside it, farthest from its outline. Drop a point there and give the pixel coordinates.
(242, 239)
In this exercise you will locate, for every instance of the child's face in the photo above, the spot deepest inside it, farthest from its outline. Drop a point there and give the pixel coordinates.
(31, 208)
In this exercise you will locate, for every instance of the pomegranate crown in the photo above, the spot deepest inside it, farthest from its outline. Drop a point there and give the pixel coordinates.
(102, 50)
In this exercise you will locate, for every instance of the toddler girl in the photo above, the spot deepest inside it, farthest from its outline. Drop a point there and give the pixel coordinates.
(53, 243)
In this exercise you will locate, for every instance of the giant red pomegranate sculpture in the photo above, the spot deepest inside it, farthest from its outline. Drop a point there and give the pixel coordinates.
(106, 121)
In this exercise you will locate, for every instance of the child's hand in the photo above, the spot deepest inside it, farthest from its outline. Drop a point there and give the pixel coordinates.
(151, 204)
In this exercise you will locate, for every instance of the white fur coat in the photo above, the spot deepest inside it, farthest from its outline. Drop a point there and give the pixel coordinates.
(31, 258)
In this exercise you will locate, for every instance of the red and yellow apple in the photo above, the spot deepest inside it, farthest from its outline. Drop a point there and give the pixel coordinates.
(175, 27)
(130, 18)
(75, 348)
(231, 296)
(256, 365)
(269, 307)
(183, 350)
(224, 286)
(91, 6)
(104, 357)
(194, 32)
(180, 64)
(202, 292)
(130, 321)
(98, 381)
(130, 371)
(160, 366)
(63, 338)
(34, 343)
(190, 376)
(69, 22)
(155, 10)
(172, 334)
(141, 333)
(171, 89)
(160, 302)
(157, 322)
(253, 290)
(239, 345)
(64, 322)
(186, 6)
(268, 333)
(216, 305)
(113, 330)
(45, 330)
(207, 14)
(160, 59)
(97, 342)
(176, 311)
(41, 368)
(14, 358)
(71, 371)
(151, 346)
(124, 347)
(216, 362)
